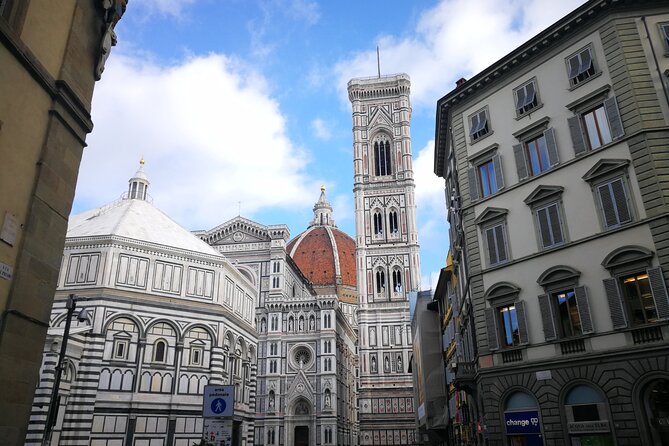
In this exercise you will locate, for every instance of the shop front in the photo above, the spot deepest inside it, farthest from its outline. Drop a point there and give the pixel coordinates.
(522, 421)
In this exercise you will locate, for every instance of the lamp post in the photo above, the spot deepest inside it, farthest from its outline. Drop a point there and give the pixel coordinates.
(54, 403)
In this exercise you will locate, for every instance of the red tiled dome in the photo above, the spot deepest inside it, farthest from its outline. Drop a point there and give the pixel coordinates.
(313, 252)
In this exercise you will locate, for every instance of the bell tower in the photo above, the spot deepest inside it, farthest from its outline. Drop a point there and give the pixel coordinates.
(387, 255)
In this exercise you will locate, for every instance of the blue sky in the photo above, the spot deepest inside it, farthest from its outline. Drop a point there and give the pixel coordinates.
(245, 101)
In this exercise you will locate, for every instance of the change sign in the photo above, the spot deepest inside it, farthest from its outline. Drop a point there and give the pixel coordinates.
(218, 401)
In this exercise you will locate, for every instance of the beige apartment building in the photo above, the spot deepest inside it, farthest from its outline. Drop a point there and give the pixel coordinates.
(556, 160)
(51, 54)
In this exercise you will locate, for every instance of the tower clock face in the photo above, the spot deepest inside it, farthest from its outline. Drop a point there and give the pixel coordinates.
(238, 236)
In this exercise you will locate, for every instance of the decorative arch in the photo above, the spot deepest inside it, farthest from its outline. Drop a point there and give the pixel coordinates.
(177, 331)
(301, 407)
(248, 273)
(212, 334)
(626, 256)
(138, 323)
(557, 275)
(501, 289)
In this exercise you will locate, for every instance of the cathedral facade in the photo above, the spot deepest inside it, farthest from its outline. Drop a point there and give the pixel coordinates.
(306, 318)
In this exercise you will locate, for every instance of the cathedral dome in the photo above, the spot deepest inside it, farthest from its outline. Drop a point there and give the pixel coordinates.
(325, 254)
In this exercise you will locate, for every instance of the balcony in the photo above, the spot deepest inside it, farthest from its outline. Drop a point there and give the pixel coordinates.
(465, 374)
(571, 346)
(645, 335)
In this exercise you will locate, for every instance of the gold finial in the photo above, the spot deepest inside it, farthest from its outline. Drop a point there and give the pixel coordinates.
(322, 187)
(141, 162)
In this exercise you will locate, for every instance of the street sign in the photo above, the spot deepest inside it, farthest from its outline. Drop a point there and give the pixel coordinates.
(218, 401)
(217, 431)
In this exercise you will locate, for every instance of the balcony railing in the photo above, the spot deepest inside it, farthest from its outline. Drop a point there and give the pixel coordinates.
(512, 356)
(571, 346)
(645, 335)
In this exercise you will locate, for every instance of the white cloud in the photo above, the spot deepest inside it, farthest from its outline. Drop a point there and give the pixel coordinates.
(304, 10)
(321, 129)
(174, 8)
(455, 38)
(209, 130)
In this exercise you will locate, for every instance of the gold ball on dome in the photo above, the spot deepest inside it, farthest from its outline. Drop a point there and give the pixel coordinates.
(322, 187)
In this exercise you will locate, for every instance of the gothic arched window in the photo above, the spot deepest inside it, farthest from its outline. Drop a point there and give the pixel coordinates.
(380, 281)
(382, 165)
(378, 224)
(393, 228)
(397, 281)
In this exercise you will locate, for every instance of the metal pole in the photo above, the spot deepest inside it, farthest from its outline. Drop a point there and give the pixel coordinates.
(54, 403)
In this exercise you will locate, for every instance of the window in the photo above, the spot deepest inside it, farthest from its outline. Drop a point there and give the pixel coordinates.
(569, 321)
(159, 350)
(397, 281)
(536, 155)
(120, 349)
(378, 224)
(382, 157)
(478, 125)
(613, 203)
(549, 225)
(506, 323)
(664, 32)
(565, 308)
(392, 223)
(274, 323)
(638, 297)
(272, 366)
(608, 179)
(585, 406)
(273, 348)
(380, 281)
(485, 178)
(327, 365)
(580, 66)
(275, 282)
(495, 242)
(196, 354)
(526, 97)
(492, 222)
(596, 126)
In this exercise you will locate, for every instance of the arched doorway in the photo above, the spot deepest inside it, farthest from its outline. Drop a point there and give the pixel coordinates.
(655, 403)
(587, 417)
(300, 424)
(301, 436)
(522, 421)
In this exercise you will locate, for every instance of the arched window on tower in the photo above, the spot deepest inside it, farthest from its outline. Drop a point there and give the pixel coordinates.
(378, 224)
(380, 282)
(393, 227)
(397, 281)
(382, 165)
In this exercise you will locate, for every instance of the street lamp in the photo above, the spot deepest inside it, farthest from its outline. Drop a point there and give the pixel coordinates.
(54, 403)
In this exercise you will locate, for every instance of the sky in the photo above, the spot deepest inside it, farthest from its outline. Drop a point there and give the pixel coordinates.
(240, 106)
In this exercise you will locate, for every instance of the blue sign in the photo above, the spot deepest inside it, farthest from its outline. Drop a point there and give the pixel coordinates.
(526, 422)
(218, 405)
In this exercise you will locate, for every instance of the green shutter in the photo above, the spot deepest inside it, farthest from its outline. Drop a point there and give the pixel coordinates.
(522, 322)
(616, 306)
(577, 135)
(547, 317)
(613, 116)
(551, 146)
(659, 290)
(584, 310)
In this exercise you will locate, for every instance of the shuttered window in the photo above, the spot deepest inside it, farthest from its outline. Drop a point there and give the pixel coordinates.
(478, 125)
(637, 299)
(549, 224)
(496, 246)
(507, 326)
(614, 203)
(596, 127)
(566, 313)
(486, 178)
(580, 66)
(526, 98)
(536, 155)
